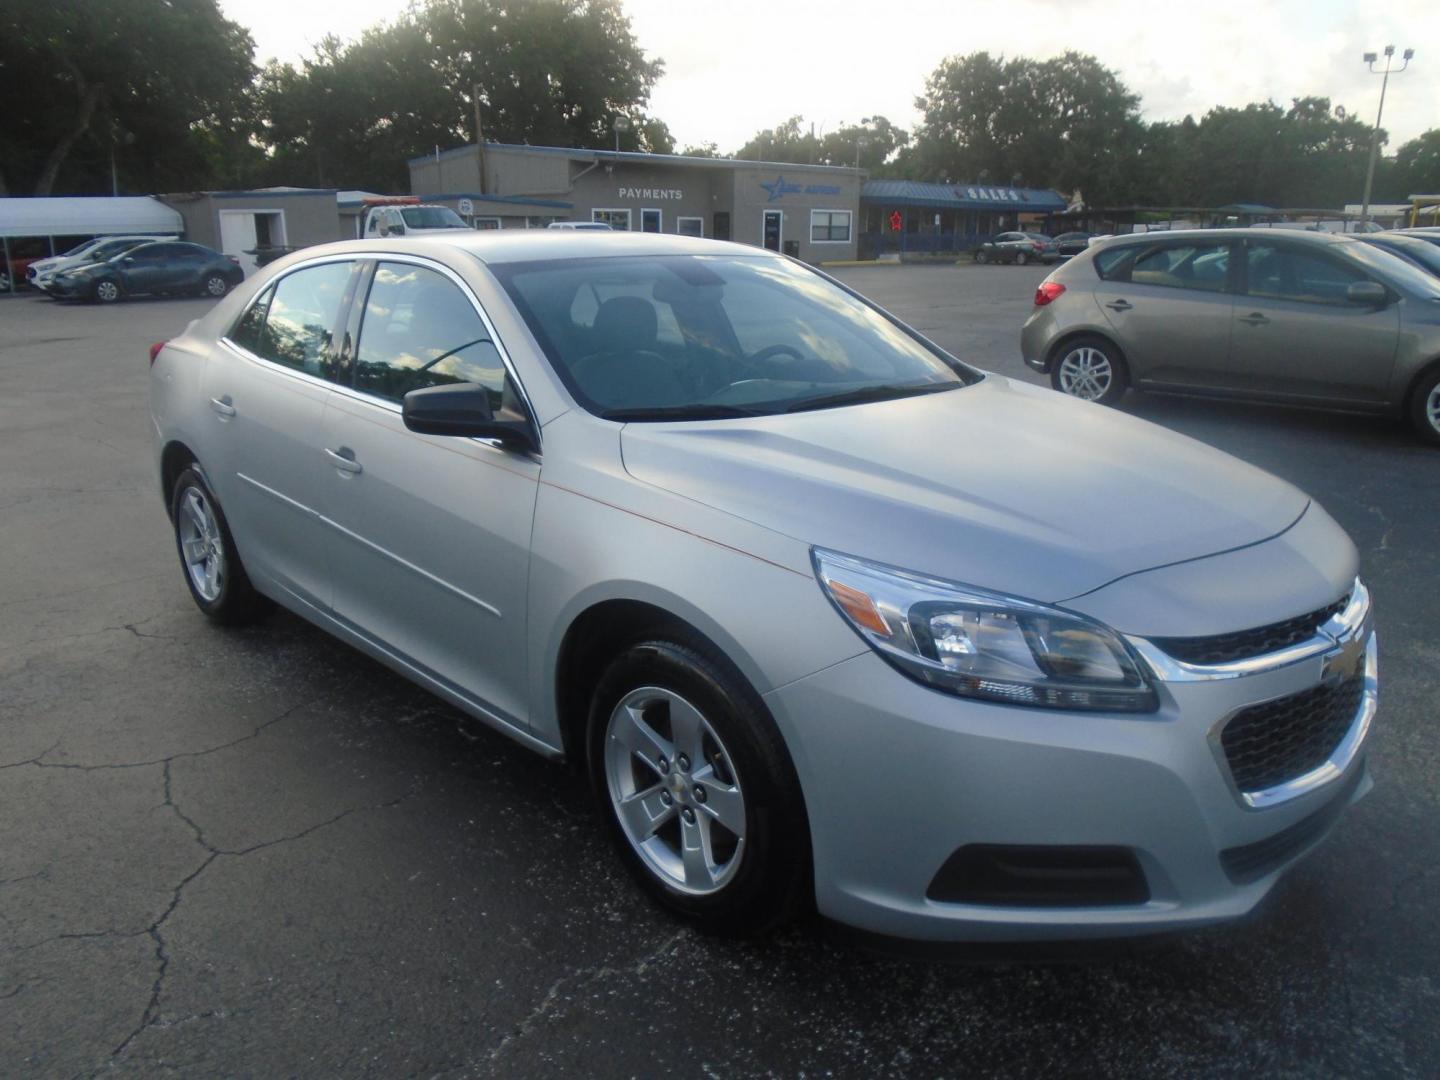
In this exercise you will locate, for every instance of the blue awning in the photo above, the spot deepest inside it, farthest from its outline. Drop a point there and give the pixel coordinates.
(960, 196)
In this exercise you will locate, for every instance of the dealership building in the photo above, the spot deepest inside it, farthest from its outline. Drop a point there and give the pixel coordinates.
(809, 211)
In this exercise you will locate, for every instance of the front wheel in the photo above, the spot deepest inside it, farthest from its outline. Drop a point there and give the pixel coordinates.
(1425, 407)
(106, 292)
(697, 788)
(1090, 369)
(213, 572)
(215, 285)
(982, 257)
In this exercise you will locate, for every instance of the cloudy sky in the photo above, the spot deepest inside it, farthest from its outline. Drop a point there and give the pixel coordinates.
(734, 67)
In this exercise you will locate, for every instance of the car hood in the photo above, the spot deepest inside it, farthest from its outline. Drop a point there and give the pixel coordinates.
(1000, 485)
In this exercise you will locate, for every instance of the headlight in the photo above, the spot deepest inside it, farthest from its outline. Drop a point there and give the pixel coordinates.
(984, 645)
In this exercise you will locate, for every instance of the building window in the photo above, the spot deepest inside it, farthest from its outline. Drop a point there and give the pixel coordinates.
(487, 222)
(829, 226)
(690, 226)
(619, 220)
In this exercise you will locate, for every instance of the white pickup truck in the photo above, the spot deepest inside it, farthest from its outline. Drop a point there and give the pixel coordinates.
(410, 219)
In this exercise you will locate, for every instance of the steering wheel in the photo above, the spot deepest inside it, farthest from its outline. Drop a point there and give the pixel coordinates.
(773, 350)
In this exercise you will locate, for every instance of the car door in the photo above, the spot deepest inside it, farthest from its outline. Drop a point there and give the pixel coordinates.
(431, 550)
(266, 386)
(142, 270)
(1296, 335)
(1168, 303)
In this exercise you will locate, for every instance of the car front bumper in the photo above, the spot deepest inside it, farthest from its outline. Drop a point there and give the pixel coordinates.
(898, 777)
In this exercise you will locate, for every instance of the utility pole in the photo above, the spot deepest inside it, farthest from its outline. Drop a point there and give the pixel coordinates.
(1370, 59)
(479, 137)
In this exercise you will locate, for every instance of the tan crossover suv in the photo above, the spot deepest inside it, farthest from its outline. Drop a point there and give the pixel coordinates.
(1299, 318)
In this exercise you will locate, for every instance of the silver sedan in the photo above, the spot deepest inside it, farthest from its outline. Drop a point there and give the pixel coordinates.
(829, 618)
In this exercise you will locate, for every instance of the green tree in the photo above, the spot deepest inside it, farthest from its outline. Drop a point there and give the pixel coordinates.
(556, 72)
(1067, 122)
(163, 84)
(1417, 167)
(872, 142)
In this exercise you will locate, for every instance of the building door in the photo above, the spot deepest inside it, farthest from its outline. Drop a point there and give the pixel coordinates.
(242, 231)
(721, 229)
(649, 220)
(771, 232)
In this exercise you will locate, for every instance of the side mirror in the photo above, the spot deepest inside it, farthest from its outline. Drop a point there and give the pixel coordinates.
(1367, 294)
(128, 260)
(463, 409)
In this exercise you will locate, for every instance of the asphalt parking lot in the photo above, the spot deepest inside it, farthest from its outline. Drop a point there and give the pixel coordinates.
(258, 853)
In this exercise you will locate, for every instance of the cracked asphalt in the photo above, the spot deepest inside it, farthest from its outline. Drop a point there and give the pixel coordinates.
(257, 853)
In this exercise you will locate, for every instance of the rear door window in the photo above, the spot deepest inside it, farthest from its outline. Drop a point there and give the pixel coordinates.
(420, 329)
(300, 321)
(1199, 266)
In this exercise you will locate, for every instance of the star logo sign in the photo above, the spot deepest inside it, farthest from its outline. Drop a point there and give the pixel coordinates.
(780, 187)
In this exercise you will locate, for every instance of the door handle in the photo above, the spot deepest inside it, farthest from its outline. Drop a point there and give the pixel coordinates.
(344, 460)
(1254, 319)
(222, 407)
(1120, 305)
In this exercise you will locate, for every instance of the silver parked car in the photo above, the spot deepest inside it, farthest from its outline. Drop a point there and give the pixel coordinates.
(738, 543)
(1300, 318)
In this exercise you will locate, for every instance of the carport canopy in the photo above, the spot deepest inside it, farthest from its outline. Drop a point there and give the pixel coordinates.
(84, 216)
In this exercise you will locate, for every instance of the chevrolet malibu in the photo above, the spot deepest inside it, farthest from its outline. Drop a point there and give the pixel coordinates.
(829, 618)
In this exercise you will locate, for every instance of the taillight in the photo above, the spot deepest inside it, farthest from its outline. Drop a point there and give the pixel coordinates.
(1047, 291)
(155, 351)
(1038, 246)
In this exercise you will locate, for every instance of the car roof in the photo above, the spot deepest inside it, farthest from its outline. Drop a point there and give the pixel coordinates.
(537, 245)
(1302, 236)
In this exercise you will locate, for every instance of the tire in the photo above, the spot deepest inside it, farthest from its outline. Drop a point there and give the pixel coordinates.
(1021, 258)
(982, 256)
(671, 720)
(1425, 406)
(1090, 368)
(105, 292)
(213, 572)
(214, 285)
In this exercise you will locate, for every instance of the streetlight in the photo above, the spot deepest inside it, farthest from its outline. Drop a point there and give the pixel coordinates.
(1371, 59)
(622, 123)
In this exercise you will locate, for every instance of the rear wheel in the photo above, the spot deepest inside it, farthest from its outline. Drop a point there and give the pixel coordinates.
(697, 789)
(1425, 406)
(213, 572)
(1021, 258)
(215, 285)
(982, 256)
(1090, 368)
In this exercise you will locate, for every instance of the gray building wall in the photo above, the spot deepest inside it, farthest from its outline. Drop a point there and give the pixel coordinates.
(676, 187)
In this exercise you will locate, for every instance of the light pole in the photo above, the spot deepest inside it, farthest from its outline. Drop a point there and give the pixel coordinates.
(1370, 59)
(622, 123)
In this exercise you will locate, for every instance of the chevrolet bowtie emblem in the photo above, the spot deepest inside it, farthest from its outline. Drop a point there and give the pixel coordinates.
(1344, 661)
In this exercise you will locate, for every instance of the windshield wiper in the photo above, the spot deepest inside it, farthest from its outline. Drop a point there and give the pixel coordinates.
(863, 394)
(681, 412)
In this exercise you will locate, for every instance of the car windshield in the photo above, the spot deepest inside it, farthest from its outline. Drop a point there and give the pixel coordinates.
(706, 337)
(1393, 268)
(1417, 251)
(78, 249)
(432, 217)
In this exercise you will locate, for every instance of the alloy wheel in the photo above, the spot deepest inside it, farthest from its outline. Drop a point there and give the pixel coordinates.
(201, 544)
(107, 291)
(674, 790)
(1086, 373)
(1432, 407)
(215, 285)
